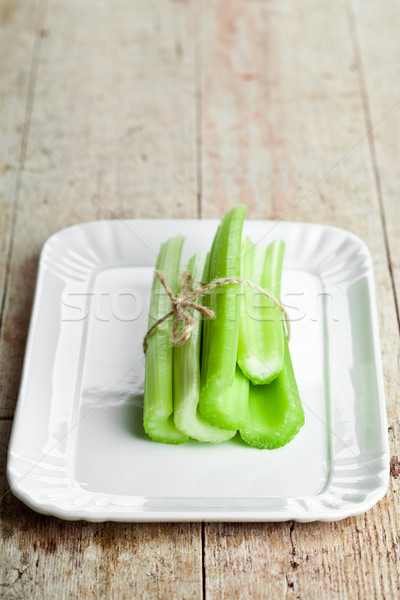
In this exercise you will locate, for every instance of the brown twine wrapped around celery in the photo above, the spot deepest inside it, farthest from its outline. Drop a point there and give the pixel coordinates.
(184, 301)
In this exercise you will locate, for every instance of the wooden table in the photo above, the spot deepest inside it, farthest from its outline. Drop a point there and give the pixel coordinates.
(182, 109)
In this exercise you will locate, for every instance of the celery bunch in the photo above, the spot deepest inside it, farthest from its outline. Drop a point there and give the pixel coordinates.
(234, 373)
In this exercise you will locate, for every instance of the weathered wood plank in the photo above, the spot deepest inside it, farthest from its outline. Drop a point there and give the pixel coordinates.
(113, 136)
(380, 72)
(17, 44)
(283, 130)
(246, 560)
(236, 158)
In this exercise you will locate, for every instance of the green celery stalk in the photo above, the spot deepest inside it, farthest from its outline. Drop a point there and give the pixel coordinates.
(275, 412)
(207, 301)
(158, 417)
(187, 373)
(261, 336)
(221, 334)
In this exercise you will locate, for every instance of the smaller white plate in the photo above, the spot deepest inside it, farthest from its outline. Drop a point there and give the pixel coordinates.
(78, 449)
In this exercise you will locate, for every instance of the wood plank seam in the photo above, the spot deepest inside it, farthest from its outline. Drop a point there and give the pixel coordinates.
(199, 116)
(292, 558)
(40, 15)
(352, 22)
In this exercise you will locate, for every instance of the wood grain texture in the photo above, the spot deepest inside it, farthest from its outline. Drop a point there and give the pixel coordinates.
(246, 560)
(380, 75)
(298, 115)
(112, 135)
(17, 43)
(237, 164)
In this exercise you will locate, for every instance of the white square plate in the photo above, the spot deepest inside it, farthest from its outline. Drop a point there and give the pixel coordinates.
(78, 449)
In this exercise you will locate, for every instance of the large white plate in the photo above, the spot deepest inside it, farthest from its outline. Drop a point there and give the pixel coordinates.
(78, 449)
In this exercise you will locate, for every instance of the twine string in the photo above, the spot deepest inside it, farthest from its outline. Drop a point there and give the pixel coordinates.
(184, 301)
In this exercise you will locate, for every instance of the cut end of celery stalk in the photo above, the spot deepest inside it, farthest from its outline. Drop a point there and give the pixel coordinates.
(162, 429)
(265, 436)
(258, 370)
(228, 408)
(199, 429)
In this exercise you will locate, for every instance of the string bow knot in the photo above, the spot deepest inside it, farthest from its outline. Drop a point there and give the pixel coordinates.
(180, 306)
